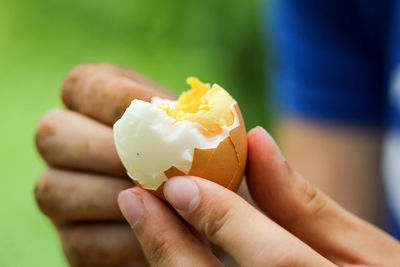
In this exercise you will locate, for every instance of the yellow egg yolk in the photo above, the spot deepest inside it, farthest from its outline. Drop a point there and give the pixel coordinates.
(211, 107)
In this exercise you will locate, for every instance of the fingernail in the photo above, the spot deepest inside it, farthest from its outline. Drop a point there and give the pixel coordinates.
(131, 207)
(275, 144)
(182, 193)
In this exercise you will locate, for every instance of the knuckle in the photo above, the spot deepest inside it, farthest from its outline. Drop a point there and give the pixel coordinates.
(43, 194)
(77, 72)
(41, 191)
(72, 252)
(81, 67)
(76, 251)
(45, 130)
(160, 250)
(72, 82)
(315, 200)
(96, 244)
(281, 258)
(311, 203)
(215, 220)
(286, 259)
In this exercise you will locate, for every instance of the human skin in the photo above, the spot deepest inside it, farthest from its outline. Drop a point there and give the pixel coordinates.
(79, 193)
(79, 190)
(304, 227)
(337, 158)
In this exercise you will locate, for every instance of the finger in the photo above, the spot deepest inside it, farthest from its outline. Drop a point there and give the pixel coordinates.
(165, 240)
(68, 139)
(100, 244)
(133, 75)
(74, 196)
(305, 211)
(103, 93)
(230, 222)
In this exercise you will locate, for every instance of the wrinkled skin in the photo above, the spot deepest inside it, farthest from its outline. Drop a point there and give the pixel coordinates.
(80, 190)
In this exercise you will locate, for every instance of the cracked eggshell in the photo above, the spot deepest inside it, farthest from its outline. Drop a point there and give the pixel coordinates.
(224, 165)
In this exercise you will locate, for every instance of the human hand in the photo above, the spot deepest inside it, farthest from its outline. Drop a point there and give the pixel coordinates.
(303, 228)
(79, 190)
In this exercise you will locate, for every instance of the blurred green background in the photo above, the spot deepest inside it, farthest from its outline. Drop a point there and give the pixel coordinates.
(40, 40)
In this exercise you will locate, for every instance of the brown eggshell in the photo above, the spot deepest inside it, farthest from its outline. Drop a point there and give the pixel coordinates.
(223, 165)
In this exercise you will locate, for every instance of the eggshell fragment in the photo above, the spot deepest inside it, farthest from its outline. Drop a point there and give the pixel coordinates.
(224, 165)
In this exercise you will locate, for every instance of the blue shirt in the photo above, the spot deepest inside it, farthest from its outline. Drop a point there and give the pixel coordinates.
(339, 60)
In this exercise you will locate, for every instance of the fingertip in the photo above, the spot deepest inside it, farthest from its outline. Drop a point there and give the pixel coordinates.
(266, 167)
(182, 193)
(257, 129)
(264, 153)
(161, 232)
(122, 196)
(260, 139)
(131, 206)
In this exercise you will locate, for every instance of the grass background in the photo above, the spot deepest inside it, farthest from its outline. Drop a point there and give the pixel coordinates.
(40, 40)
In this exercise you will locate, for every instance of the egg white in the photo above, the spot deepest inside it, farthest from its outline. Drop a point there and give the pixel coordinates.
(149, 142)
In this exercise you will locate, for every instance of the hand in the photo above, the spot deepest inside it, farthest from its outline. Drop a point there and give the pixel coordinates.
(303, 228)
(79, 191)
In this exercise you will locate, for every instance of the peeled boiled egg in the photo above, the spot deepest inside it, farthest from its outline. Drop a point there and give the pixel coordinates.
(200, 134)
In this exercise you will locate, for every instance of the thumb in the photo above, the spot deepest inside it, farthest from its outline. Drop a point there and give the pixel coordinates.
(302, 209)
(231, 223)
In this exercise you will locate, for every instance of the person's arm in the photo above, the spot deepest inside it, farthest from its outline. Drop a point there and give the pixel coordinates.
(329, 80)
(342, 161)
